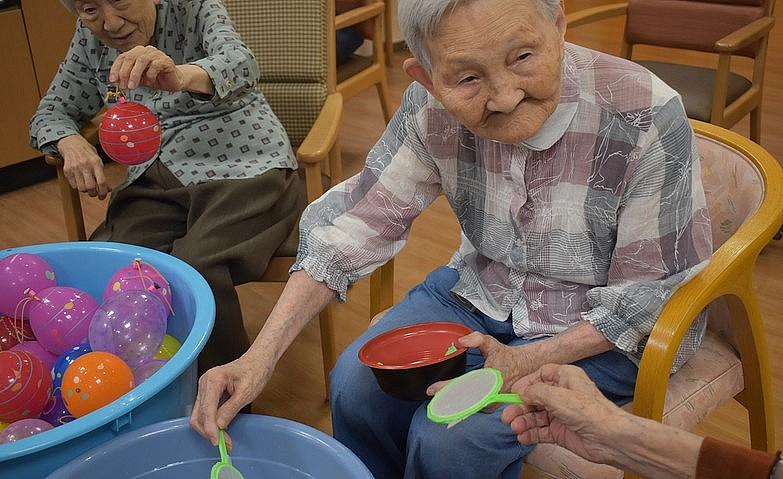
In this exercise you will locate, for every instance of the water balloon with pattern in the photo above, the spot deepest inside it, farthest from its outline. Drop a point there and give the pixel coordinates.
(19, 273)
(130, 324)
(25, 386)
(60, 317)
(35, 348)
(130, 133)
(14, 331)
(23, 429)
(139, 275)
(93, 381)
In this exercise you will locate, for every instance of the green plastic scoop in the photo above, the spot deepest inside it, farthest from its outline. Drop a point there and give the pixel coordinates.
(224, 469)
(468, 394)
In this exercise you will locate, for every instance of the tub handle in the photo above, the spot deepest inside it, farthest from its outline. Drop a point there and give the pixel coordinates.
(122, 422)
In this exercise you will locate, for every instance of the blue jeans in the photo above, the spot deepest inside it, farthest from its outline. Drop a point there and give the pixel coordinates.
(348, 40)
(395, 439)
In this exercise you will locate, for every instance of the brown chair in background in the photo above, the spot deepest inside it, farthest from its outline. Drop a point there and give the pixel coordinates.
(725, 27)
(361, 72)
(293, 41)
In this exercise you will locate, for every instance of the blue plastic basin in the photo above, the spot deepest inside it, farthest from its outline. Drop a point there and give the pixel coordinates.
(264, 447)
(167, 394)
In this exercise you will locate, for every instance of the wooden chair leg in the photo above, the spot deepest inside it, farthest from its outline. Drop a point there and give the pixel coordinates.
(385, 95)
(755, 124)
(757, 395)
(382, 289)
(328, 347)
(72, 209)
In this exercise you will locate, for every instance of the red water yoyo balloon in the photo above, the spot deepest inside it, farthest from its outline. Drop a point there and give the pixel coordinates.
(13, 332)
(130, 133)
(25, 386)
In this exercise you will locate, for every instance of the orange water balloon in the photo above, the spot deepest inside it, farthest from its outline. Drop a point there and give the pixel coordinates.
(93, 381)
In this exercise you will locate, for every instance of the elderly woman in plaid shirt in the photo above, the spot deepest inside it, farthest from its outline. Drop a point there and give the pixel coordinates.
(576, 182)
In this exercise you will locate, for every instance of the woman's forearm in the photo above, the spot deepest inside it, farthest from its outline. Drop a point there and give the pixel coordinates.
(301, 300)
(652, 449)
(579, 341)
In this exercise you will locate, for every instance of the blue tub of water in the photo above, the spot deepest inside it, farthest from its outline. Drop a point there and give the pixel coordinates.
(264, 447)
(167, 394)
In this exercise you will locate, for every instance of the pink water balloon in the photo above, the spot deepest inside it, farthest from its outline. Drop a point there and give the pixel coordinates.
(35, 348)
(60, 317)
(18, 273)
(23, 429)
(139, 276)
(131, 325)
(147, 369)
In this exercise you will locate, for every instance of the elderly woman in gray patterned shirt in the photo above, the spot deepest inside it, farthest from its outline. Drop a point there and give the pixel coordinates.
(222, 194)
(576, 182)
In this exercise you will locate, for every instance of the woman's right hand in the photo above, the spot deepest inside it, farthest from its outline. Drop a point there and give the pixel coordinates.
(223, 391)
(82, 166)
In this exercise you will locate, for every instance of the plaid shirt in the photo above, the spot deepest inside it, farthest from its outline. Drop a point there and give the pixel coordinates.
(598, 217)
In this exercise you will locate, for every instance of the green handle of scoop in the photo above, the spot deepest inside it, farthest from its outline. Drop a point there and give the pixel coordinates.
(224, 457)
(509, 398)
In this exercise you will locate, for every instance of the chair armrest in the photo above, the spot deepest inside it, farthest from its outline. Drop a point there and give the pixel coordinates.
(358, 15)
(54, 160)
(746, 35)
(728, 272)
(594, 14)
(323, 134)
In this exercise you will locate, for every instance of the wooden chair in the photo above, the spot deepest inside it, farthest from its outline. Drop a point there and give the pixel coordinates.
(388, 31)
(361, 72)
(725, 27)
(293, 41)
(742, 184)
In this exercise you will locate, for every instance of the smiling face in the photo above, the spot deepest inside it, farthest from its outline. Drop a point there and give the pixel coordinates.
(496, 67)
(120, 24)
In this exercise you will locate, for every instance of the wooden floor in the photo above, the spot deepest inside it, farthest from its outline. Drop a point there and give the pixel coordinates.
(33, 215)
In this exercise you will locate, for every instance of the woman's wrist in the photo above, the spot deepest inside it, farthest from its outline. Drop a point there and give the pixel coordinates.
(196, 80)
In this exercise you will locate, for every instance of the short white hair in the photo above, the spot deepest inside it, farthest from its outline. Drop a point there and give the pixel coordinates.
(419, 19)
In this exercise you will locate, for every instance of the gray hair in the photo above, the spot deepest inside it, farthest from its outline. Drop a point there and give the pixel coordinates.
(419, 20)
(69, 5)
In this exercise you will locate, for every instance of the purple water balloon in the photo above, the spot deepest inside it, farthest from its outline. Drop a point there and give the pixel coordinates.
(18, 273)
(35, 348)
(60, 317)
(139, 276)
(55, 412)
(131, 325)
(23, 429)
(147, 369)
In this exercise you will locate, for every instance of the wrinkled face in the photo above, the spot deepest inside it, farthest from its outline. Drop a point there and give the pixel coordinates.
(120, 24)
(496, 67)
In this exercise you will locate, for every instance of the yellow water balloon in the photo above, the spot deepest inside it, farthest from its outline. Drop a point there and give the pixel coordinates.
(169, 347)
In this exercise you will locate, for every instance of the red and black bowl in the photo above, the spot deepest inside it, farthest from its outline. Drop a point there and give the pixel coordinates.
(407, 360)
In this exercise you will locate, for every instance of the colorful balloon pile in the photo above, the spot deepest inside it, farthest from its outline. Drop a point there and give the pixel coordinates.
(63, 355)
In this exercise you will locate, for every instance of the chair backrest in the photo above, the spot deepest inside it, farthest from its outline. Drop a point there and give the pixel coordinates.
(692, 24)
(290, 39)
(733, 187)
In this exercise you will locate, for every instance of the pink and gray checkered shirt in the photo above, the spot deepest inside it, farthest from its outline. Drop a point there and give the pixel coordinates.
(599, 217)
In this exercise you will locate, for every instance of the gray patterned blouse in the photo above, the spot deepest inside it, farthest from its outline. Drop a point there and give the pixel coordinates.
(232, 135)
(599, 217)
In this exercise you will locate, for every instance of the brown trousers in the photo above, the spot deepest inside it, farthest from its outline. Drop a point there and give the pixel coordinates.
(226, 229)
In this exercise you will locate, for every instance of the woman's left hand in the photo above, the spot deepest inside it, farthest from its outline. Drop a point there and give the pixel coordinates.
(147, 66)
